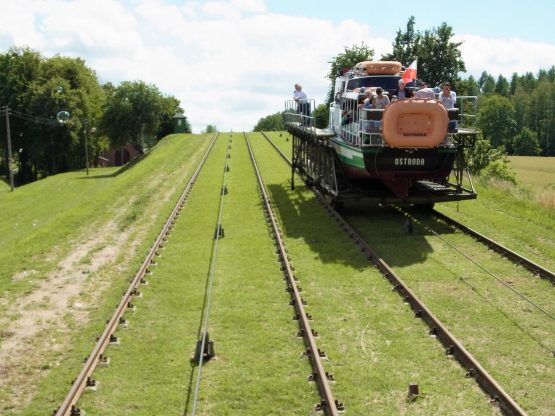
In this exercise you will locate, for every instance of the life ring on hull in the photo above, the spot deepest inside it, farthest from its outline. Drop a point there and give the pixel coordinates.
(414, 123)
(379, 67)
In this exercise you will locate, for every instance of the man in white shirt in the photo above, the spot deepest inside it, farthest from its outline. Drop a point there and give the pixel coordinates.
(303, 105)
(425, 93)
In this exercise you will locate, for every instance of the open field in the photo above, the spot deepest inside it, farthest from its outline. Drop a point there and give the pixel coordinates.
(58, 248)
(537, 174)
(535, 171)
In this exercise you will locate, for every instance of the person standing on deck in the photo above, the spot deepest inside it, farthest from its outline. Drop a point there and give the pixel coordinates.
(303, 105)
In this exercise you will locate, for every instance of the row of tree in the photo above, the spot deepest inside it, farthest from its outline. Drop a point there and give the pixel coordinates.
(34, 89)
(516, 115)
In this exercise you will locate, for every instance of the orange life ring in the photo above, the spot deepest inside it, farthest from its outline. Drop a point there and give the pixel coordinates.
(414, 123)
(379, 67)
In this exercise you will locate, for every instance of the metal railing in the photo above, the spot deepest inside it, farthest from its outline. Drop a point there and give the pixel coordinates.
(300, 112)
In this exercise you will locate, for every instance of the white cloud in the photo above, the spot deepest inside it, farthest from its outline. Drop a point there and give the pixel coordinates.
(230, 62)
(505, 55)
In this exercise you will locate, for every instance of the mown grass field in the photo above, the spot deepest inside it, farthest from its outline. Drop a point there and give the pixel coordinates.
(537, 177)
(375, 345)
(535, 171)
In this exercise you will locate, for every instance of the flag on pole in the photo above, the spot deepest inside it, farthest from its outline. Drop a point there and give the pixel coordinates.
(410, 72)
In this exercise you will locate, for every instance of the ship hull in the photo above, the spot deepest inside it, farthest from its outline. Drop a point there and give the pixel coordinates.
(397, 169)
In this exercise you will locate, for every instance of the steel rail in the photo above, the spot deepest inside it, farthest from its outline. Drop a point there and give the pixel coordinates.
(448, 340)
(69, 405)
(499, 248)
(328, 404)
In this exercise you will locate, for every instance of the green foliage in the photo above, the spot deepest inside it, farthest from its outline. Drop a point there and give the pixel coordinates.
(439, 58)
(526, 143)
(496, 119)
(486, 83)
(135, 112)
(273, 122)
(502, 86)
(321, 116)
(467, 86)
(37, 88)
(347, 59)
(500, 169)
(211, 128)
(487, 160)
(405, 45)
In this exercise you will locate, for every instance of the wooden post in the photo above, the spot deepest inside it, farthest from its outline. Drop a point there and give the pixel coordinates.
(9, 147)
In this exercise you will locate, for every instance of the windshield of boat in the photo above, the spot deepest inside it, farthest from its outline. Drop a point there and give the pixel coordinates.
(387, 83)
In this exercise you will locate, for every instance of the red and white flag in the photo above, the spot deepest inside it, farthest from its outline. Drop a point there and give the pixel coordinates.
(410, 72)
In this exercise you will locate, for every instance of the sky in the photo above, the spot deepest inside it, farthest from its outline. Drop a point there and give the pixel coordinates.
(231, 62)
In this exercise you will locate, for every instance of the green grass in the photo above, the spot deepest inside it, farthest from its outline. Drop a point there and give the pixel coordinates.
(535, 171)
(482, 313)
(537, 176)
(257, 354)
(375, 345)
(4, 184)
(68, 206)
(48, 214)
(519, 223)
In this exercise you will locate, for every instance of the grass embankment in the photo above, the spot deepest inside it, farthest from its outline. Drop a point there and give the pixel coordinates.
(51, 218)
(375, 345)
(257, 354)
(46, 215)
(537, 175)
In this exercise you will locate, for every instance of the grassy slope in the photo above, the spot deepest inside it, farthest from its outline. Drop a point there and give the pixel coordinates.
(69, 205)
(49, 213)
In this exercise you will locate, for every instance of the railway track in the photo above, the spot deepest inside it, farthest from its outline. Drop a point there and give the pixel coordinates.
(499, 248)
(328, 404)
(97, 357)
(451, 344)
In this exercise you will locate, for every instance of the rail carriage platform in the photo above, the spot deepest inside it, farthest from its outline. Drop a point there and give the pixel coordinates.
(352, 161)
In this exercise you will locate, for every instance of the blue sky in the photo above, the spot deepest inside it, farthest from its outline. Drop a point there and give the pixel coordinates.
(231, 62)
(530, 20)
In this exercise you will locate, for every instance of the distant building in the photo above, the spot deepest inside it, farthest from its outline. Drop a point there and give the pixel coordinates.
(118, 156)
(179, 123)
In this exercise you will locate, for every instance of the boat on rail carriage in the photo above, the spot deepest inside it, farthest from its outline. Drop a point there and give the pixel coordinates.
(411, 151)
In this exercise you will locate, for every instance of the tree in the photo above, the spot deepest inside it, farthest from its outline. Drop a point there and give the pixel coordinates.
(468, 87)
(272, 122)
(526, 143)
(18, 68)
(540, 115)
(346, 59)
(405, 45)
(439, 58)
(211, 128)
(496, 119)
(321, 116)
(484, 159)
(135, 113)
(67, 84)
(502, 86)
